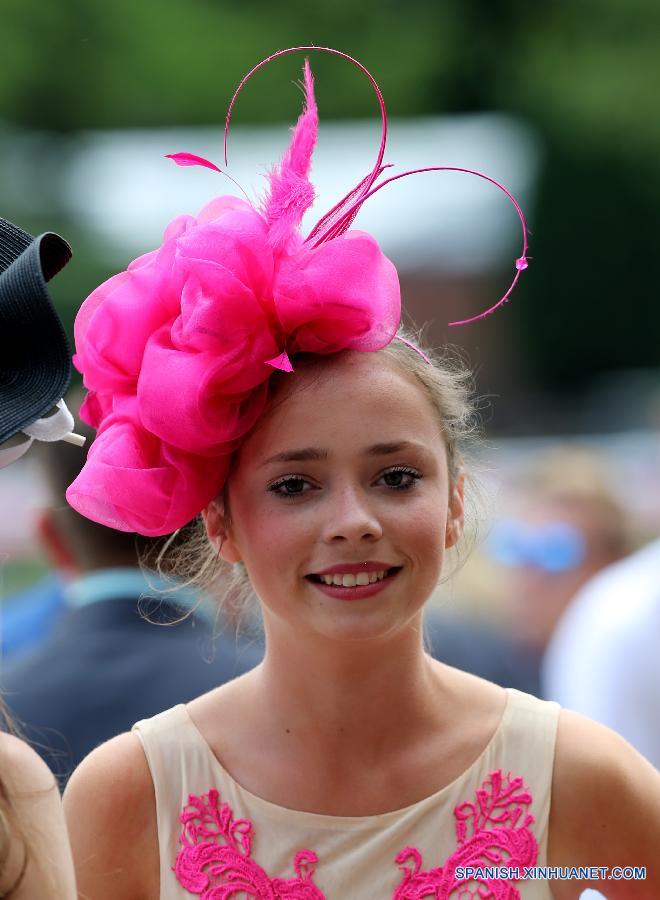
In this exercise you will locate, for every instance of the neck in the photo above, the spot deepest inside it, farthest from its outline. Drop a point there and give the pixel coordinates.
(352, 700)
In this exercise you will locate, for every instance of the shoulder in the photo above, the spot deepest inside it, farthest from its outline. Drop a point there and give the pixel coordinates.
(35, 800)
(605, 808)
(110, 809)
(27, 770)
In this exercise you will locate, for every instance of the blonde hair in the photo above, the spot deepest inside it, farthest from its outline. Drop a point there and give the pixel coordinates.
(188, 557)
(15, 833)
(11, 829)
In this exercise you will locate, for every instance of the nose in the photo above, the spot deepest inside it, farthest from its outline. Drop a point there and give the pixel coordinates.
(350, 517)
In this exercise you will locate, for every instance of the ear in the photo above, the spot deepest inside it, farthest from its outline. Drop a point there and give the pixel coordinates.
(456, 512)
(218, 534)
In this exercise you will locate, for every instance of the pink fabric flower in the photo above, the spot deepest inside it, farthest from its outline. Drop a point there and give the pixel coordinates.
(177, 351)
(133, 478)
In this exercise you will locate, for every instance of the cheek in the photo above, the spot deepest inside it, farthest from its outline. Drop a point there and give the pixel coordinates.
(275, 540)
(422, 531)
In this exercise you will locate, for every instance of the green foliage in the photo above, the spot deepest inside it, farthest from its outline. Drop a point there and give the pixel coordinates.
(582, 72)
(589, 73)
(77, 65)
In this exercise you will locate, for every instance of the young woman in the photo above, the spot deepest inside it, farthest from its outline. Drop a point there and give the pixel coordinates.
(348, 764)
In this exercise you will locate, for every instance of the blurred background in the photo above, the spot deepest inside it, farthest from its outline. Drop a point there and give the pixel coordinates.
(556, 100)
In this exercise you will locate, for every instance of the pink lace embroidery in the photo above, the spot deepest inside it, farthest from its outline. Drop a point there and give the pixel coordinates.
(489, 833)
(218, 871)
(215, 858)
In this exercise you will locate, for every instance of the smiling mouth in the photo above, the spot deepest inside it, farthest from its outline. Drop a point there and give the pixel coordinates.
(348, 580)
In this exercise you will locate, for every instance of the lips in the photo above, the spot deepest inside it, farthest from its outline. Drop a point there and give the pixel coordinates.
(352, 591)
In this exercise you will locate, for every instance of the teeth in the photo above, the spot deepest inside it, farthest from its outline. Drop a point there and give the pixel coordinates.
(347, 580)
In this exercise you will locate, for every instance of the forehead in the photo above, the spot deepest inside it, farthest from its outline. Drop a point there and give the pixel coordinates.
(350, 397)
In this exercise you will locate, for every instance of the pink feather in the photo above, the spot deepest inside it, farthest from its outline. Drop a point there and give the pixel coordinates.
(291, 192)
(190, 159)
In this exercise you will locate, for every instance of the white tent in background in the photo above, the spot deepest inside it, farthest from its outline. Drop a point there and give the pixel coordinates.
(119, 185)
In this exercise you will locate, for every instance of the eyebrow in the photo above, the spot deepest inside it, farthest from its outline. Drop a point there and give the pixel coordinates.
(307, 454)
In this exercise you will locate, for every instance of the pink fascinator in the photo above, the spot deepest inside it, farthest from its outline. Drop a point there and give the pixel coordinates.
(177, 351)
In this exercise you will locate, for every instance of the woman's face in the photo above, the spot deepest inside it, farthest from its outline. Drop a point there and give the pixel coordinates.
(347, 470)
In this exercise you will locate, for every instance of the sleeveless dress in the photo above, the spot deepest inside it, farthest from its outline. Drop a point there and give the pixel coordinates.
(220, 842)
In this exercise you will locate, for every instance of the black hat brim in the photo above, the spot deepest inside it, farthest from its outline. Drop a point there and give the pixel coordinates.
(35, 360)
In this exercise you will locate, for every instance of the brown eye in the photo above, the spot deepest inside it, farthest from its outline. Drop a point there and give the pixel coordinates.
(291, 486)
(401, 478)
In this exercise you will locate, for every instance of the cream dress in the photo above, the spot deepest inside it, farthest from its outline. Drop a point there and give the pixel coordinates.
(220, 842)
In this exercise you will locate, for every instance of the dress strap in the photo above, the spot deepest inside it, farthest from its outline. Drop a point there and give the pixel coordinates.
(173, 756)
(526, 746)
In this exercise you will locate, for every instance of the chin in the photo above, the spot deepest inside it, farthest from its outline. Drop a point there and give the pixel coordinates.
(351, 629)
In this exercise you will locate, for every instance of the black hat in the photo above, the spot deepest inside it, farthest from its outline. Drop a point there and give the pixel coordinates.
(35, 361)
